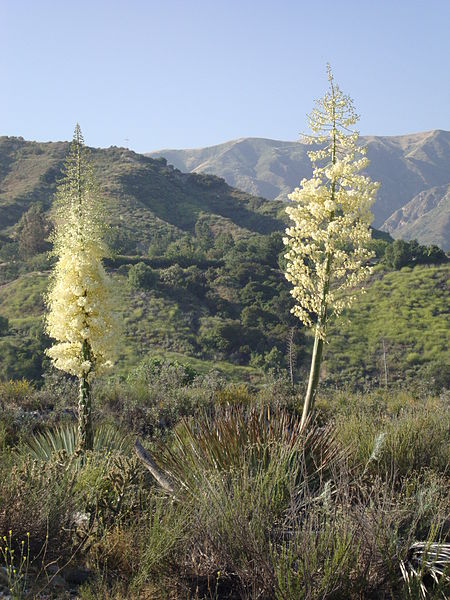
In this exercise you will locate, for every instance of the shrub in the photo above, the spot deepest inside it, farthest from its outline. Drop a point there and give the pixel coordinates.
(141, 276)
(4, 325)
(17, 393)
(395, 444)
(64, 438)
(156, 395)
(39, 500)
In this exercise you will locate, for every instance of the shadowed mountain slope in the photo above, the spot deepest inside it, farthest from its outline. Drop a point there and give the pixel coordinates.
(426, 218)
(405, 165)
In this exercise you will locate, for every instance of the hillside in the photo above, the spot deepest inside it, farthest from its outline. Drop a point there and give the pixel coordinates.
(147, 198)
(196, 270)
(426, 218)
(407, 310)
(405, 165)
(235, 318)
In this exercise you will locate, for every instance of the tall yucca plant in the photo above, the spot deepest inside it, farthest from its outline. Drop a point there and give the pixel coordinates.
(80, 314)
(327, 241)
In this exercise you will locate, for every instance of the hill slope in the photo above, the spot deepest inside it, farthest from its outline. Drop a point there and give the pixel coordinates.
(242, 331)
(406, 310)
(219, 300)
(426, 218)
(146, 196)
(405, 165)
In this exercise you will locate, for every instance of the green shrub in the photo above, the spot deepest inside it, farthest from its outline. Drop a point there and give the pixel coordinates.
(38, 500)
(141, 276)
(17, 393)
(397, 444)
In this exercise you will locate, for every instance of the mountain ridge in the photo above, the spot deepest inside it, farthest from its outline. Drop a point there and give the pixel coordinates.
(144, 194)
(425, 217)
(405, 165)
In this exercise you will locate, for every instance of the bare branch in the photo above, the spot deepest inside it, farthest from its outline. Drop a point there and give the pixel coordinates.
(150, 464)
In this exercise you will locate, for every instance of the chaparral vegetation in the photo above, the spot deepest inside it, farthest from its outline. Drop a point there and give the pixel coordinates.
(195, 467)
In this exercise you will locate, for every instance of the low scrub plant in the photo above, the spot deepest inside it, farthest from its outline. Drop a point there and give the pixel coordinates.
(17, 563)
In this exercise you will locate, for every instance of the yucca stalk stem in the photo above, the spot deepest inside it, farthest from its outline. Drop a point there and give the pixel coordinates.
(313, 382)
(85, 430)
(314, 374)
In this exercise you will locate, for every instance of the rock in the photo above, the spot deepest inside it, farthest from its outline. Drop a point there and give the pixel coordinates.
(77, 575)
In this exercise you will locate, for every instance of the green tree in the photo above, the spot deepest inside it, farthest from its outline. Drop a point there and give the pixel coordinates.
(327, 242)
(141, 276)
(80, 312)
(203, 233)
(398, 254)
(34, 229)
(4, 325)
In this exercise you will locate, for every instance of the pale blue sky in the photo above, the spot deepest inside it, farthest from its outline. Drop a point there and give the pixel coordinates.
(176, 74)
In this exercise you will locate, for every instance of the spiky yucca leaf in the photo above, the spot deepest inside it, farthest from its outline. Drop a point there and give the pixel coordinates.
(64, 437)
(258, 439)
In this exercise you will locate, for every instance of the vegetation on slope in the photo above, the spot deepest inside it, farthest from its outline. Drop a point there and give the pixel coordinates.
(228, 307)
(401, 324)
(257, 511)
(147, 198)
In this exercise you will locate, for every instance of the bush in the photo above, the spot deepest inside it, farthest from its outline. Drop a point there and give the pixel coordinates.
(156, 395)
(38, 500)
(394, 445)
(141, 276)
(4, 325)
(259, 509)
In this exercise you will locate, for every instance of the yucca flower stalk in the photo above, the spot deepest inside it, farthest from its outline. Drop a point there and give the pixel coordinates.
(80, 311)
(327, 242)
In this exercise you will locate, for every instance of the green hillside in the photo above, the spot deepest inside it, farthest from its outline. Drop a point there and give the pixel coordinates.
(146, 197)
(197, 272)
(408, 311)
(235, 318)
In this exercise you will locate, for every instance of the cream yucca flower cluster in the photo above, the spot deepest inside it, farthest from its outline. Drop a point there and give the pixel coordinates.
(327, 242)
(80, 316)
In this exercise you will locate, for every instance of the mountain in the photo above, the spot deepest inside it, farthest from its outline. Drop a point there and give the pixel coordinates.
(405, 165)
(426, 218)
(146, 196)
(197, 277)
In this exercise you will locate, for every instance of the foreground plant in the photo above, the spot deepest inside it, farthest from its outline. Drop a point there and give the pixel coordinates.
(327, 243)
(16, 566)
(80, 316)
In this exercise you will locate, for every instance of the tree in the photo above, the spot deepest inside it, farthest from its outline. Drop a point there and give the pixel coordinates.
(4, 325)
(34, 230)
(141, 276)
(327, 242)
(80, 314)
(398, 254)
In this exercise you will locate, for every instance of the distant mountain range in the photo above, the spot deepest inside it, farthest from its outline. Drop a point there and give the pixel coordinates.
(414, 171)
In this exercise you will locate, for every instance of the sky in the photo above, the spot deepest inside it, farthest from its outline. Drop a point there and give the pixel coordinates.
(148, 74)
